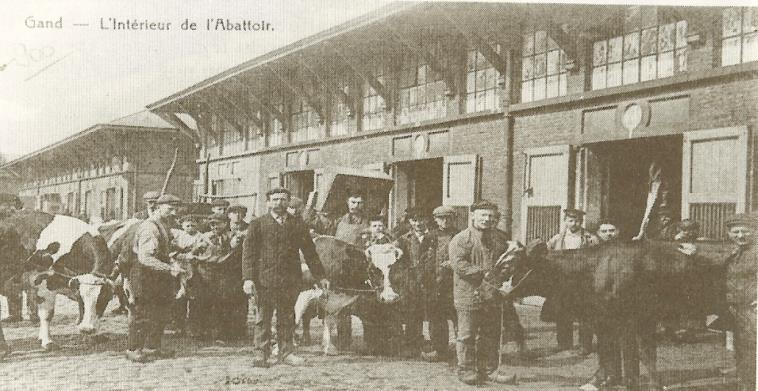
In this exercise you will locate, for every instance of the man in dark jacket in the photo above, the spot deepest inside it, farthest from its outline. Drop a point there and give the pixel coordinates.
(271, 270)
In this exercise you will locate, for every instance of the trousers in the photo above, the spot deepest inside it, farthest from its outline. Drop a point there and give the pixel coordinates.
(283, 302)
(147, 321)
(478, 338)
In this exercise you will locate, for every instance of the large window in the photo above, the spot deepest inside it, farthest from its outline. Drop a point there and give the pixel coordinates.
(275, 127)
(373, 103)
(481, 83)
(422, 91)
(340, 114)
(642, 55)
(305, 123)
(543, 68)
(739, 35)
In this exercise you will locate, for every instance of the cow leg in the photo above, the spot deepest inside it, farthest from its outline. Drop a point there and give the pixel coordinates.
(45, 311)
(330, 322)
(306, 340)
(649, 349)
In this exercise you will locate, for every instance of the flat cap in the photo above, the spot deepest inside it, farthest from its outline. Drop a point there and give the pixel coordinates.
(575, 213)
(483, 204)
(218, 217)
(151, 195)
(168, 199)
(278, 190)
(443, 210)
(220, 202)
(741, 219)
(239, 209)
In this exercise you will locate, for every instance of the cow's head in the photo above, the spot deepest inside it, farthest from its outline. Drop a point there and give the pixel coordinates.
(382, 259)
(531, 271)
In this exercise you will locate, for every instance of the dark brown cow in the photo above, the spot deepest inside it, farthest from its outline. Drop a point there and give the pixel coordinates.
(68, 259)
(624, 289)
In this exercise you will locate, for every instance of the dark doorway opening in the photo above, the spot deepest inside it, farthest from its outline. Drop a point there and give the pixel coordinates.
(627, 178)
(418, 183)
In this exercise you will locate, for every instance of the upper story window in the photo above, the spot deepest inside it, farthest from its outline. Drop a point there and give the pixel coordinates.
(373, 103)
(543, 68)
(422, 91)
(739, 35)
(255, 135)
(340, 113)
(650, 53)
(232, 138)
(275, 127)
(481, 83)
(305, 123)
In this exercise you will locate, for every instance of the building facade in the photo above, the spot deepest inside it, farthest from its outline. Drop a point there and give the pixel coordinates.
(535, 107)
(103, 171)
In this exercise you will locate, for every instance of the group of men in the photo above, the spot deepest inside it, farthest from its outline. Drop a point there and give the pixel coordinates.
(188, 276)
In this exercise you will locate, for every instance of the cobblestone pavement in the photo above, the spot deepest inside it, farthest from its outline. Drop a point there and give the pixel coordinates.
(82, 363)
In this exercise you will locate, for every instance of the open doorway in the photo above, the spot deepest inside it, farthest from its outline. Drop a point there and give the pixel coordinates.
(418, 183)
(300, 183)
(625, 178)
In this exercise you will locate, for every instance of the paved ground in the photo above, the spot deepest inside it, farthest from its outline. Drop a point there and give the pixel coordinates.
(83, 364)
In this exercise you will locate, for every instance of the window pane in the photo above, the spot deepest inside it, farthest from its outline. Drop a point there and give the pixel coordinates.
(405, 97)
(614, 49)
(598, 77)
(539, 89)
(750, 48)
(648, 67)
(665, 64)
(730, 22)
(632, 71)
(490, 100)
(598, 53)
(681, 34)
(666, 37)
(649, 37)
(613, 75)
(527, 68)
(730, 51)
(481, 80)
(632, 45)
(471, 82)
(552, 86)
(526, 91)
(421, 97)
(470, 103)
(681, 60)
(481, 100)
(553, 62)
(539, 65)
(528, 48)
(563, 84)
(540, 41)
(749, 20)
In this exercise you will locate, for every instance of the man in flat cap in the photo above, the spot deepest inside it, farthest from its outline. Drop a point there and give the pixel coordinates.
(152, 282)
(271, 271)
(741, 288)
(219, 205)
(572, 236)
(237, 224)
(443, 308)
(13, 288)
(473, 252)
(149, 198)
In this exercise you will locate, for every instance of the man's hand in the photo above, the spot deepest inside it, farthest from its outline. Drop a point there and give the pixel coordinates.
(325, 284)
(506, 288)
(249, 288)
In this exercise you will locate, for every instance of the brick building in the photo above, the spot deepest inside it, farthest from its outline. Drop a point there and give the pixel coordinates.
(535, 107)
(103, 171)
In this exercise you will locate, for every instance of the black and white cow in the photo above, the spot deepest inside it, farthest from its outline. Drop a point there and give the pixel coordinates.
(68, 256)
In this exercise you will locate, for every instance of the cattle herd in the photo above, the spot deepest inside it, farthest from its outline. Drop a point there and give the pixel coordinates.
(623, 290)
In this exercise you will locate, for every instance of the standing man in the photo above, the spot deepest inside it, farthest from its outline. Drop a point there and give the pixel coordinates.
(419, 247)
(572, 236)
(473, 252)
(607, 232)
(14, 286)
(152, 283)
(149, 198)
(271, 264)
(442, 308)
(741, 295)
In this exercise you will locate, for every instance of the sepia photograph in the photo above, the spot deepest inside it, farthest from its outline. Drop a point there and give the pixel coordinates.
(399, 195)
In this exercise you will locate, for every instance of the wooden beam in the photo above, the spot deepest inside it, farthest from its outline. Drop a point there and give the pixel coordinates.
(301, 93)
(479, 43)
(264, 105)
(242, 111)
(173, 119)
(221, 112)
(330, 86)
(366, 75)
(434, 63)
(200, 121)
